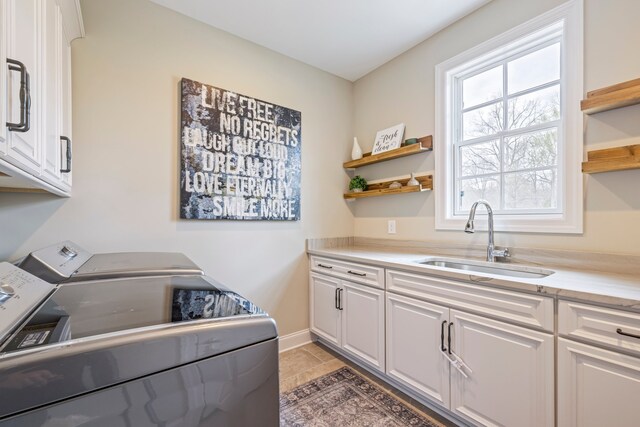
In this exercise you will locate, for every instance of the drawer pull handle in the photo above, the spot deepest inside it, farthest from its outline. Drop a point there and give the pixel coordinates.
(68, 154)
(626, 334)
(442, 347)
(25, 97)
(325, 266)
(355, 273)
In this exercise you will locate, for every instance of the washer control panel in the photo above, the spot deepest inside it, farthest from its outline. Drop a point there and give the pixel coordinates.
(20, 293)
(56, 263)
(68, 252)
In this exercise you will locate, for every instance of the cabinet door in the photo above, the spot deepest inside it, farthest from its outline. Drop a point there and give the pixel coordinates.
(51, 94)
(363, 323)
(64, 104)
(24, 20)
(3, 76)
(596, 387)
(414, 346)
(325, 316)
(511, 381)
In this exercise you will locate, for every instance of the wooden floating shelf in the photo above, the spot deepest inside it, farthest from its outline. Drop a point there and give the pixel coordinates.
(612, 159)
(611, 97)
(382, 188)
(423, 145)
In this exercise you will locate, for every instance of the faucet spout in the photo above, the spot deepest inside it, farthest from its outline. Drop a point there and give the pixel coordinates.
(492, 253)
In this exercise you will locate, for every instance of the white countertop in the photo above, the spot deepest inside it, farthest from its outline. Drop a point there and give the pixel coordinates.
(619, 290)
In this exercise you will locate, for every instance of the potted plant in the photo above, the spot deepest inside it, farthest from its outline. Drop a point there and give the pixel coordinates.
(357, 184)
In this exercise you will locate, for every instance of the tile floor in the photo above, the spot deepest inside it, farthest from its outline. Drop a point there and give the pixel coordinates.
(314, 360)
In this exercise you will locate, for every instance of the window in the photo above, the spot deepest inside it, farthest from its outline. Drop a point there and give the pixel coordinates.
(510, 127)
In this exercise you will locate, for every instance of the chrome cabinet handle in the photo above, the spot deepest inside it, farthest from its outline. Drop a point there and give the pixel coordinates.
(356, 273)
(25, 97)
(325, 266)
(626, 334)
(442, 347)
(68, 141)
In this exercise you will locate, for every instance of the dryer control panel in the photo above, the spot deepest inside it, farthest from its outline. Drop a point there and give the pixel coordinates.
(56, 263)
(20, 294)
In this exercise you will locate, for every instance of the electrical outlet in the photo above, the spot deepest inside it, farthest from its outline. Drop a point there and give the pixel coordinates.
(391, 226)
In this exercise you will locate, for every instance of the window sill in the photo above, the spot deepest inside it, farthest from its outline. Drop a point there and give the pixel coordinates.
(557, 224)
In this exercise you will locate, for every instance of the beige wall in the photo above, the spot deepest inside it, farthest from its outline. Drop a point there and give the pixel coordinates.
(403, 91)
(126, 117)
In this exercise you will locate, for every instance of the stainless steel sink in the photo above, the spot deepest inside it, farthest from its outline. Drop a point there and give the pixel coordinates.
(481, 267)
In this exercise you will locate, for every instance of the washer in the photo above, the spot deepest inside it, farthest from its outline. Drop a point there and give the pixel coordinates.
(67, 262)
(147, 351)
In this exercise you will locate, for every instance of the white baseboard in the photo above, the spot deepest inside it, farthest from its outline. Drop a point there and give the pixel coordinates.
(296, 339)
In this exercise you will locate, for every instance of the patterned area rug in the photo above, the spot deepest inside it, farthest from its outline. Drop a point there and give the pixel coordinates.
(344, 398)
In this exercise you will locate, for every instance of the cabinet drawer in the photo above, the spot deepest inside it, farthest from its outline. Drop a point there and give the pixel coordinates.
(526, 309)
(365, 274)
(599, 325)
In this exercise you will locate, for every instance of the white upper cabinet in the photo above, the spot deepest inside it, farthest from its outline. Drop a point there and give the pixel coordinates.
(35, 144)
(64, 103)
(50, 132)
(23, 102)
(3, 79)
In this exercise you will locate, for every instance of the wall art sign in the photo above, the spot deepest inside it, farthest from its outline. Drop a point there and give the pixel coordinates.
(240, 156)
(388, 139)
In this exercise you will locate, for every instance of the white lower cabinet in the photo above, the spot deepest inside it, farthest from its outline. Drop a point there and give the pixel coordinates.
(596, 387)
(325, 314)
(350, 316)
(415, 335)
(508, 379)
(507, 374)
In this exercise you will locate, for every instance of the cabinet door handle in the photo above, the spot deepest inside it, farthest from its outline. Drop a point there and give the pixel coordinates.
(335, 299)
(325, 266)
(442, 347)
(25, 97)
(627, 334)
(68, 141)
(340, 299)
(449, 336)
(355, 273)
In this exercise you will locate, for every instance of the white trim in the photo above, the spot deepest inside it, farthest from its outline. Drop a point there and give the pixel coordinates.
(72, 18)
(18, 178)
(571, 221)
(294, 340)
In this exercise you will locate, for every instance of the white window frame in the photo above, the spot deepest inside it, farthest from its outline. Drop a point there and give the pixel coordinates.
(569, 216)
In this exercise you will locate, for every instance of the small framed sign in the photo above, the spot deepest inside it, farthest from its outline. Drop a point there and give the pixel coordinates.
(388, 139)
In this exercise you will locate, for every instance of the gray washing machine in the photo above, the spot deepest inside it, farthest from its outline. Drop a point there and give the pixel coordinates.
(147, 351)
(67, 262)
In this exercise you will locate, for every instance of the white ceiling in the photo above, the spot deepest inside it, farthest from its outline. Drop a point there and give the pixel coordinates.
(348, 38)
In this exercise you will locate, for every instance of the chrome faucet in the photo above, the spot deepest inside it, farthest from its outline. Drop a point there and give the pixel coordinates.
(492, 252)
